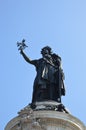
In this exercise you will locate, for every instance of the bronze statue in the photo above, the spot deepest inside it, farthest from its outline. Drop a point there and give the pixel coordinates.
(48, 84)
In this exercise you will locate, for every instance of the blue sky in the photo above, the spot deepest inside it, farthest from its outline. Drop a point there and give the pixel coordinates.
(60, 24)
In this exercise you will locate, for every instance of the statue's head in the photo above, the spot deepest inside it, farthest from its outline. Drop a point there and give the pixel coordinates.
(46, 50)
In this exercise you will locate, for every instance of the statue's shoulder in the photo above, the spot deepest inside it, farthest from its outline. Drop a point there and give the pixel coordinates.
(56, 56)
(37, 62)
(41, 59)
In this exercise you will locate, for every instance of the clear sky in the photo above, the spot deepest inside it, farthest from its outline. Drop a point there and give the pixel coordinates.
(60, 24)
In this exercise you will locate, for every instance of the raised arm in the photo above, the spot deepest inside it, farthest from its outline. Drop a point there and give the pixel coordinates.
(26, 58)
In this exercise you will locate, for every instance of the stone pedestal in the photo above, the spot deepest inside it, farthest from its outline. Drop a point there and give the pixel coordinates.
(44, 119)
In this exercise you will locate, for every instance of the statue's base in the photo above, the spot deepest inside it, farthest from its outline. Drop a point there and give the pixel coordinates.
(44, 116)
(46, 105)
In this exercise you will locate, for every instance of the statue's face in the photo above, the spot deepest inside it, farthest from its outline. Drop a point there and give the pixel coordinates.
(45, 52)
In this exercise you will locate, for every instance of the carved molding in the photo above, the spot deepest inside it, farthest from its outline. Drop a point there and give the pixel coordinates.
(44, 120)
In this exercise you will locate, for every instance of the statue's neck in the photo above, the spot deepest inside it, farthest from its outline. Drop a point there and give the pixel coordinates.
(49, 60)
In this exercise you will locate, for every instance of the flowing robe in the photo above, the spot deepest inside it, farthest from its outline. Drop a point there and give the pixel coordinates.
(45, 79)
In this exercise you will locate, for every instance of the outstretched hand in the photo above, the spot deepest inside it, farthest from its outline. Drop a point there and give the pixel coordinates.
(21, 51)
